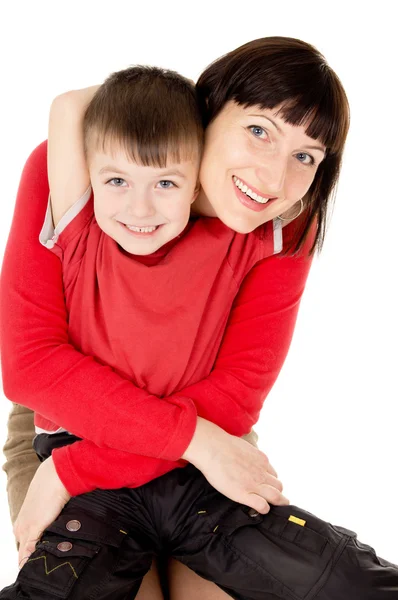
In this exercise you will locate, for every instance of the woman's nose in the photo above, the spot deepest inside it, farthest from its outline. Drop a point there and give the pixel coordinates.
(272, 174)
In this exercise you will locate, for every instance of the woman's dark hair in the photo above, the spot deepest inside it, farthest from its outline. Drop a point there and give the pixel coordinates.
(286, 72)
(152, 113)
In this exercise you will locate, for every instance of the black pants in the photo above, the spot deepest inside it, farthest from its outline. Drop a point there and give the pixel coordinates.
(102, 544)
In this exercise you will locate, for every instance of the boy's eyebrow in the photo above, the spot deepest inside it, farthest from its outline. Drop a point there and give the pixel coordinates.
(172, 172)
(110, 169)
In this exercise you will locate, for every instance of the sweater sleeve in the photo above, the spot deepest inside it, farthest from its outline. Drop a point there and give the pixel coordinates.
(254, 348)
(42, 371)
(39, 364)
(255, 343)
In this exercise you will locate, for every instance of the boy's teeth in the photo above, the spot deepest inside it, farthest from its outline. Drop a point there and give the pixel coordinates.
(243, 188)
(141, 229)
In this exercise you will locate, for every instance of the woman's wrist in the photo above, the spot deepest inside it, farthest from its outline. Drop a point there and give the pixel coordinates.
(200, 448)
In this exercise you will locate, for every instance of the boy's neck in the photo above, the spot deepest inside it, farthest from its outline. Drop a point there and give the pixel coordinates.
(202, 206)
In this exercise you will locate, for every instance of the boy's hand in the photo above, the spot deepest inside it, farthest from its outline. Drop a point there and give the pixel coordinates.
(234, 467)
(44, 501)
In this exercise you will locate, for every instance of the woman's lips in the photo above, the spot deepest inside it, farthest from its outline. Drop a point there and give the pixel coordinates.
(249, 203)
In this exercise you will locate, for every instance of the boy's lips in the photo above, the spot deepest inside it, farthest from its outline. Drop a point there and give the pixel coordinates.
(153, 229)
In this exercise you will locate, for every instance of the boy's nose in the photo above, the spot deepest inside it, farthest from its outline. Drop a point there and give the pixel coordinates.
(140, 207)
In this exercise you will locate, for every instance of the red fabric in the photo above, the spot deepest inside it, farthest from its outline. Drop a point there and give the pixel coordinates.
(43, 371)
(160, 325)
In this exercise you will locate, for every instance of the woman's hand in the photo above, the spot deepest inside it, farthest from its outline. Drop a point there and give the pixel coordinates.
(234, 467)
(44, 501)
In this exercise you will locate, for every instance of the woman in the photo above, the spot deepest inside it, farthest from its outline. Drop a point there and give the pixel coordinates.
(271, 165)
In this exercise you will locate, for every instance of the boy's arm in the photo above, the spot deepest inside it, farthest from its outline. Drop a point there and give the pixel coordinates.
(68, 174)
(21, 460)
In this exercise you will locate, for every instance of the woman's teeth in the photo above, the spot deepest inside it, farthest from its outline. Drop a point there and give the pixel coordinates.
(141, 229)
(243, 188)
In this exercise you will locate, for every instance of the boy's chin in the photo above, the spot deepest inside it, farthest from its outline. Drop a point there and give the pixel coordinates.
(138, 249)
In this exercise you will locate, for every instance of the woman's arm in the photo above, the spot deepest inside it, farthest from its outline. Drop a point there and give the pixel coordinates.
(253, 351)
(68, 174)
(42, 371)
(42, 365)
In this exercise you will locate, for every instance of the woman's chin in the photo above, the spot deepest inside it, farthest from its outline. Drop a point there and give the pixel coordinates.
(238, 223)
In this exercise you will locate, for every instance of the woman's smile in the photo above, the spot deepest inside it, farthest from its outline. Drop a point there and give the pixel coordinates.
(250, 198)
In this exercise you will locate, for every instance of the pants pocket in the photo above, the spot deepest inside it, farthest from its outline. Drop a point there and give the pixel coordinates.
(294, 549)
(56, 565)
(75, 541)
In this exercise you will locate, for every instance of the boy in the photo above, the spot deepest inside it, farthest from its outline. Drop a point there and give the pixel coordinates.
(95, 325)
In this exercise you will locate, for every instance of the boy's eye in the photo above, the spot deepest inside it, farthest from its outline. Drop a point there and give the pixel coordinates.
(116, 181)
(305, 159)
(258, 132)
(165, 184)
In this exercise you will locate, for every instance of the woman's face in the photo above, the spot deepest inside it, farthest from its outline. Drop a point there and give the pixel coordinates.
(255, 166)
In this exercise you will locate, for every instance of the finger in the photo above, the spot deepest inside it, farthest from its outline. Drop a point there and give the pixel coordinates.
(22, 558)
(273, 481)
(25, 550)
(272, 495)
(272, 470)
(23, 562)
(258, 504)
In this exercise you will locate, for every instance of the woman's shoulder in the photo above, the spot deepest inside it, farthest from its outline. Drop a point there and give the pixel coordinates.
(37, 159)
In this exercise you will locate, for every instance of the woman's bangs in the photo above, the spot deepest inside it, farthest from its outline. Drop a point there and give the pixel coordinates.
(325, 115)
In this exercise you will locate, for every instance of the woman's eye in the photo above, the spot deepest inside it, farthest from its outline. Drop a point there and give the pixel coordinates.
(116, 181)
(305, 159)
(258, 132)
(165, 184)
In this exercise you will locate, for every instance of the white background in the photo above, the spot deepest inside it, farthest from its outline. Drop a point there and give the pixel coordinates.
(329, 425)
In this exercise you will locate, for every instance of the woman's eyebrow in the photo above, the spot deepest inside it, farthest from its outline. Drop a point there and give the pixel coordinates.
(323, 150)
(268, 119)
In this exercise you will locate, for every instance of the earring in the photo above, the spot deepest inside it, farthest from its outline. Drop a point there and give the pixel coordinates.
(298, 214)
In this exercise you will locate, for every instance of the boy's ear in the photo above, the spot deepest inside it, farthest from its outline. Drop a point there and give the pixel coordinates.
(196, 192)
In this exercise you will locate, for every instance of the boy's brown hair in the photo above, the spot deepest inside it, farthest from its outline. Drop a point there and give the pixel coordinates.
(152, 113)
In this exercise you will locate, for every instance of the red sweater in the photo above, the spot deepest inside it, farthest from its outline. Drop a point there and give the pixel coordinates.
(157, 320)
(43, 371)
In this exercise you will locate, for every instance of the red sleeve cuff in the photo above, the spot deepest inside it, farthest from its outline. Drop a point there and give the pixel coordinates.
(67, 474)
(182, 435)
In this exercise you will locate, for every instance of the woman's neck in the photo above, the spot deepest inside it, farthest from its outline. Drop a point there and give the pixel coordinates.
(202, 206)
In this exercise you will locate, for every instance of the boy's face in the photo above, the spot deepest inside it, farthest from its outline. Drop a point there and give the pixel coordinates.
(141, 208)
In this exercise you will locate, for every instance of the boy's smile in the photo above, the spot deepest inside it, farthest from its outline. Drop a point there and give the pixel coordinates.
(141, 207)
